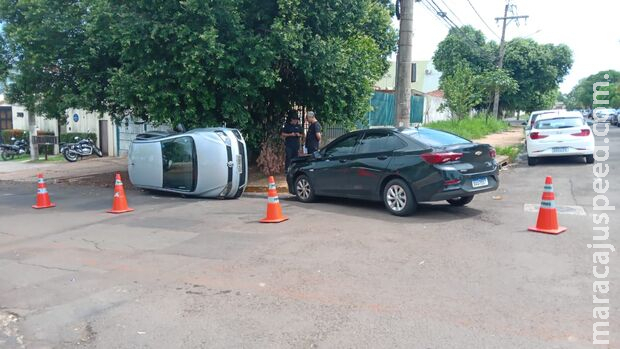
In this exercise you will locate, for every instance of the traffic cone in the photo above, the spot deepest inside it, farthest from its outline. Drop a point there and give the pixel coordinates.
(547, 214)
(274, 210)
(119, 204)
(43, 197)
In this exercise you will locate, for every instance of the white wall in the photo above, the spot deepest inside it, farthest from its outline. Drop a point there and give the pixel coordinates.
(431, 112)
(128, 130)
(89, 122)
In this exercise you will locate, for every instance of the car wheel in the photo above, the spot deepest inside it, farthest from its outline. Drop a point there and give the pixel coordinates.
(398, 198)
(589, 159)
(303, 189)
(238, 193)
(460, 201)
(531, 161)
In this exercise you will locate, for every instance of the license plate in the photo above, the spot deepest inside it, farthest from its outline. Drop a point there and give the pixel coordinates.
(479, 182)
(560, 149)
(239, 163)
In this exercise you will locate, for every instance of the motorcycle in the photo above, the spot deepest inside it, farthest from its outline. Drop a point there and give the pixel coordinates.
(81, 148)
(19, 147)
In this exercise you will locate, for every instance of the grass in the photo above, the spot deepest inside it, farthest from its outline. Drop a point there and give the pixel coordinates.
(512, 151)
(26, 157)
(471, 128)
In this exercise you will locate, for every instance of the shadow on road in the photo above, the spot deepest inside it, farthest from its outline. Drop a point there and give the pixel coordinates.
(426, 212)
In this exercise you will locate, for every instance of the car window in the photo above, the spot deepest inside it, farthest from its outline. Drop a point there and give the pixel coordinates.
(377, 142)
(178, 156)
(435, 138)
(559, 123)
(342, 147)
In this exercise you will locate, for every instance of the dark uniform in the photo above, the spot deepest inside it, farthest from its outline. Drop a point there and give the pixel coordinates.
(291, 143)
(312, 142)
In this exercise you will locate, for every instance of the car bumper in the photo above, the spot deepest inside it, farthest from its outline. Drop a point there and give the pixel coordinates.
(547, 151)
(465, 188)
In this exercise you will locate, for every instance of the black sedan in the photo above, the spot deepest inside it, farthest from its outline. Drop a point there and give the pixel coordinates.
(400, 167)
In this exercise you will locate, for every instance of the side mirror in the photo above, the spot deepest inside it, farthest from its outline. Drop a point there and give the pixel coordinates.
(524, 123)
(590, 123)
(317, 155)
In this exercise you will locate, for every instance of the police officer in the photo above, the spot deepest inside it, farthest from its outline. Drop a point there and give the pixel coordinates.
(313, 139)
(291, 132)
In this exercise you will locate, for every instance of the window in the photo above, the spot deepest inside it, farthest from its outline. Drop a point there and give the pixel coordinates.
(435, 138)
(559, 123)
(179, 163)
(342, 147)
(379, 142)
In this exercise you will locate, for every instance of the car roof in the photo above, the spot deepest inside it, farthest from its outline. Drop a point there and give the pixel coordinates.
(559, 115)
(538, 112)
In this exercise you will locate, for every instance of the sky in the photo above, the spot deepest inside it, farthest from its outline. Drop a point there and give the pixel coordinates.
(590, 28)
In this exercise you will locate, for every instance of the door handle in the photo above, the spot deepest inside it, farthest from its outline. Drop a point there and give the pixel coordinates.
(343, 160)
(382, 157)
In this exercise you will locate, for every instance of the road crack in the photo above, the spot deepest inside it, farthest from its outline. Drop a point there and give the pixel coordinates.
(47, 267)
(95, 244)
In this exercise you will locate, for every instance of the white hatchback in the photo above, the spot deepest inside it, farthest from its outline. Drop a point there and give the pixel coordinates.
(563, 134)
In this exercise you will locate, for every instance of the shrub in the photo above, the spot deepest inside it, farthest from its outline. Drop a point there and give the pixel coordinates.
(6, 135)
(512, 151)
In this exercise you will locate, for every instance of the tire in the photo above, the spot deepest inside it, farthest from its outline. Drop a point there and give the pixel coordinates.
(531, 161)
(398, 198)
(98, 152)
(304, 191)
(5, 156)
(70, 157)
(461, 201)
(589, 159)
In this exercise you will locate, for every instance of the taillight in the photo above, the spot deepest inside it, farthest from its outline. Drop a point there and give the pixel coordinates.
(536, 135)
(583, 133)
(492, 153)
(440, 158)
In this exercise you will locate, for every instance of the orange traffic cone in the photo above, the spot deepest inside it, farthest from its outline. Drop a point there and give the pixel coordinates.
(548, 214)
(43, 197)
(274, 210)
(119, 205)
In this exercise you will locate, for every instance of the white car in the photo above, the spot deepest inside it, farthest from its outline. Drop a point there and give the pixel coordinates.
(605, 115)
(207, 162)
(562, 134)
(532, 119)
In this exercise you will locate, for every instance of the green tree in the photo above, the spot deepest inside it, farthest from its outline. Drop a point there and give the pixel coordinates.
(461, 91)
(465, 45)
(538, 69)
(582, 93)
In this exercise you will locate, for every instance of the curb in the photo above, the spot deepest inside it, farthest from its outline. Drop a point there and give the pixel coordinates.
(263, 189)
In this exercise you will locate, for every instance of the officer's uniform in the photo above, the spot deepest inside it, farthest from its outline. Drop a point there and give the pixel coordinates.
(291, 143)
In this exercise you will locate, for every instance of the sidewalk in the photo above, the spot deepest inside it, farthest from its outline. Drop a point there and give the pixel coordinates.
(61, 171)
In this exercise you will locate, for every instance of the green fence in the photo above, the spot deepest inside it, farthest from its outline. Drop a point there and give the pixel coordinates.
(383, 109)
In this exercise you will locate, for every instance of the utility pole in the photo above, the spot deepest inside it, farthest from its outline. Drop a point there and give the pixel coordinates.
(502, 50)
(403, 65)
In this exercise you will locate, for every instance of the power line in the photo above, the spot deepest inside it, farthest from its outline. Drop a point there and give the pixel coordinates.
(482, 19)
(452, 12)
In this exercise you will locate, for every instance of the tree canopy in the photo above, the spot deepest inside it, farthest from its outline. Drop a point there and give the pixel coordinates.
(582, 95)
(240, 62)
(531, 72)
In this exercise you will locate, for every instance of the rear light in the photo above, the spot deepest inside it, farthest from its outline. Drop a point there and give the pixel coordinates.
(451, 182)
(492, 153)
(583, 133)
(536, 135)
(440, 158)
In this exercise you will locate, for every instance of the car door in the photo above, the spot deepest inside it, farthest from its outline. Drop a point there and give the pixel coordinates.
(371, 161)
(330, 174)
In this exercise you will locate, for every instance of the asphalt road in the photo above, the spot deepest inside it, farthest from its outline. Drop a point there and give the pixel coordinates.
(189, 273)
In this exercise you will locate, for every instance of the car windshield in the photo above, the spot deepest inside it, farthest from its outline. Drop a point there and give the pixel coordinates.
(559, 123)
(434, 138)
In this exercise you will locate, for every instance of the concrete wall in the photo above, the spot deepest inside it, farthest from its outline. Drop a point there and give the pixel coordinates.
(431, 112)
(89, 122)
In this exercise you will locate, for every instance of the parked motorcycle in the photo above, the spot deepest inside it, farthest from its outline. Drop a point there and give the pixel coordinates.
(19, 147)
(81, 148)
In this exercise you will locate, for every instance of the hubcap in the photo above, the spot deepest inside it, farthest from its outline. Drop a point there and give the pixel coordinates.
(303, 189)
(396, 198)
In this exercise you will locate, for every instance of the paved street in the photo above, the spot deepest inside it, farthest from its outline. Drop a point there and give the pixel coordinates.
(192, 273)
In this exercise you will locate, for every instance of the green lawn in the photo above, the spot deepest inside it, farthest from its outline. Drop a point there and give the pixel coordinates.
(26, 157)
(511, 151)
(473, 128)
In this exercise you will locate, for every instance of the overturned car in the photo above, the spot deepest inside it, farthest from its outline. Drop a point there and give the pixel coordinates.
(207, 162)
